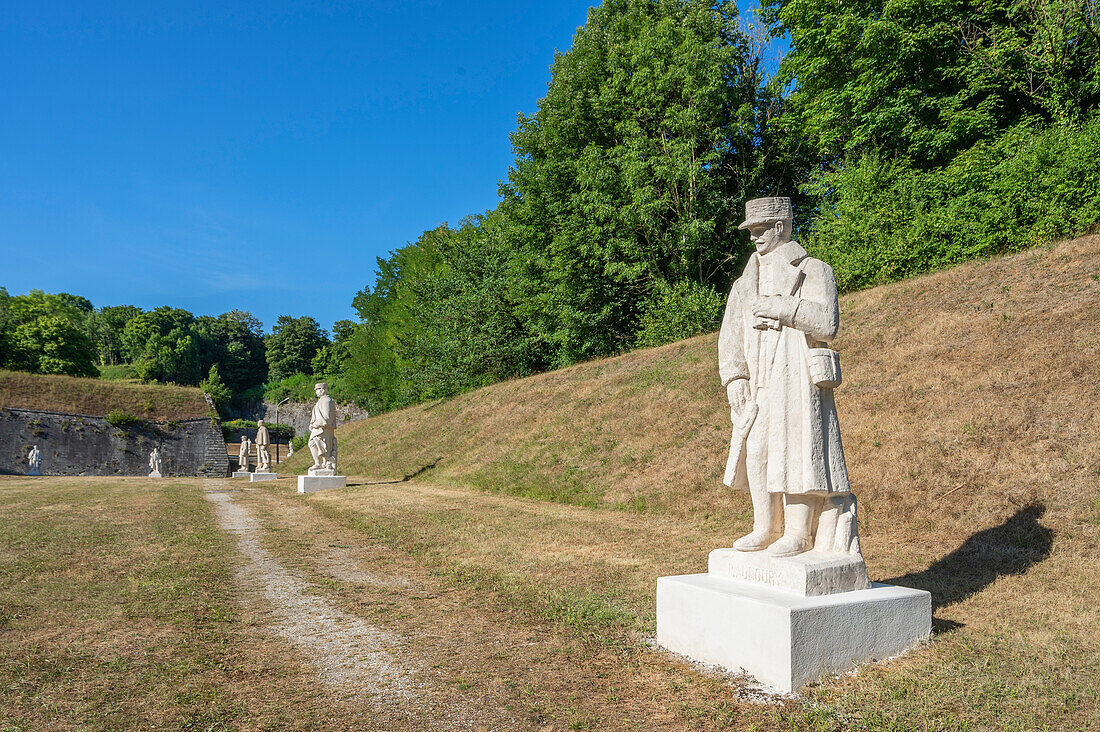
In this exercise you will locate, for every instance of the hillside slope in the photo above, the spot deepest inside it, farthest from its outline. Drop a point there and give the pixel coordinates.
(977, 380)
(97, 398)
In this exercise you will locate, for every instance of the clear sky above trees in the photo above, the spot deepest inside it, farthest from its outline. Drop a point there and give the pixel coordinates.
(221, 155)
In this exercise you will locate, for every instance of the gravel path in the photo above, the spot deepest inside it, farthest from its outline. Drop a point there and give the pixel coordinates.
(350, 654)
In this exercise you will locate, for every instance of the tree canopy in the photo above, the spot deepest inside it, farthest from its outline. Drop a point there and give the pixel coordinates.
(292, 345)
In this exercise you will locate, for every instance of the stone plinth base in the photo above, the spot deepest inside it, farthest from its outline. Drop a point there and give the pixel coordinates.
(241, 473)
(807, 574)
(33, 472)
(155, 474)
(261, 475)
(314, 483)
(782, 639)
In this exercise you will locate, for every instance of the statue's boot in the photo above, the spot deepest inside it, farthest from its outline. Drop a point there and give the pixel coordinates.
(766, 512)
(798, 513)
(788, 546)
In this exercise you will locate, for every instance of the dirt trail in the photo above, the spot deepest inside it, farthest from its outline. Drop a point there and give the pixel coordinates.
(350, 654)
(385, 675)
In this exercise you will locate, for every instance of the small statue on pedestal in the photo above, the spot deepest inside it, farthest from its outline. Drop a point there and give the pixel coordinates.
(263, 440)
(322, 433)
(34, 460)
(154, 463)
(242, 456)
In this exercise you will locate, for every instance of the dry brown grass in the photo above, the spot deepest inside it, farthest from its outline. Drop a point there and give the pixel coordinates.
(72, 395)
(118, 611)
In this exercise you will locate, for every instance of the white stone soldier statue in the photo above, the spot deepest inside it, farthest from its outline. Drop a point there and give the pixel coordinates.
(263, 441)
(779, 378)
(322, 433)
(242, 455)
(34, 461)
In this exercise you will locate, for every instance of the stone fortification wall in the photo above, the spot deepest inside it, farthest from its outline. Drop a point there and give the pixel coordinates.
(75, 444)
(296, 414)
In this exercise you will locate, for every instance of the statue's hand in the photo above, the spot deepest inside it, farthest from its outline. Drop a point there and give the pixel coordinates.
(739, 395)
(778, 309)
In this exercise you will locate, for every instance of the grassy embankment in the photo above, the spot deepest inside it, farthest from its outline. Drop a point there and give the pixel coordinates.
(971, 441)
(95, 397)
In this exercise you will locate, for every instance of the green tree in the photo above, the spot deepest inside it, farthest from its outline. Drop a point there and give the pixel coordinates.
(45, 333)
(631, 172)
(332, 357)
(105, 327)
(292, 345)
(234, 341)
(219, 393)
(926, 79)
(163, 347)
(36, 303)
(51, 344)
(470, 331)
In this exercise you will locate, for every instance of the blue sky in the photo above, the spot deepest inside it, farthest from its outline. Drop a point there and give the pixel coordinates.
(221, 155)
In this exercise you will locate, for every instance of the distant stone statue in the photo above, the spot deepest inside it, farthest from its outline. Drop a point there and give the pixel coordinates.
(154, 463)
(242, 456)
(779, 377)
(322, 433)
(263, 440)
(34, 460)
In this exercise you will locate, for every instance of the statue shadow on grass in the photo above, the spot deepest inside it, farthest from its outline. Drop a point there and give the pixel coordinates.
(419, 471)
(1010, 548)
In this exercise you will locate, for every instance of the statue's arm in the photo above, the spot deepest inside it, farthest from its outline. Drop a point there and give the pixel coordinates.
(817, 312)
(731, 348)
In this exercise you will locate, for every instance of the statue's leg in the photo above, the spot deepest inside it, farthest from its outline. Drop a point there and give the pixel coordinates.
(767, 508)
(798, 516)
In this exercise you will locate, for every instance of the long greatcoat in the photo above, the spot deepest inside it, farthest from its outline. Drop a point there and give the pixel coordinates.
(804, 452)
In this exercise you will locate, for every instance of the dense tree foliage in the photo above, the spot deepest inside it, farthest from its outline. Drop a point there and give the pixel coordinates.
(45, 333)
(911, 134)
(105, 327)
(293, 344)
(926, 79)
(234, 341)
(621, 208)
(628, 175)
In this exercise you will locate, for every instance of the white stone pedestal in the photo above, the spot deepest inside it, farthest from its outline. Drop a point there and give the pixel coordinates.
(783, 639)
(807, 574)
(262, 475)
(241, 473)
(155, 474)
(314, 483)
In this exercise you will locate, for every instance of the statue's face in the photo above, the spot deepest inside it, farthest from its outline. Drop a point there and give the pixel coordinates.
(766, 237)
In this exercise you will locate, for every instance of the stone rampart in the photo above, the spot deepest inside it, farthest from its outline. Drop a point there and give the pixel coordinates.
(77, 444)
(296, 414)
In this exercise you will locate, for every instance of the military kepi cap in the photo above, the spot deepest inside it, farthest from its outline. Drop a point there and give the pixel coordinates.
(767, 211)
